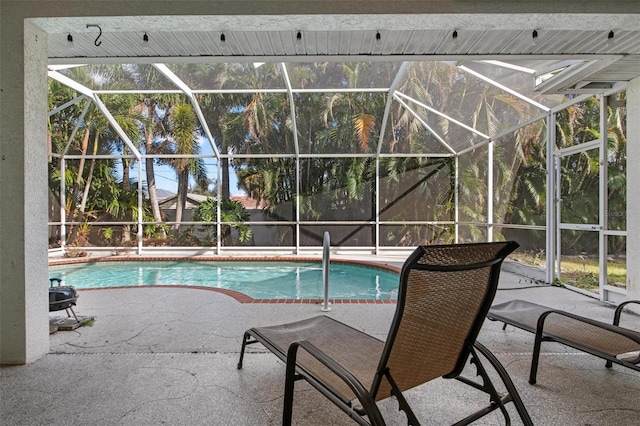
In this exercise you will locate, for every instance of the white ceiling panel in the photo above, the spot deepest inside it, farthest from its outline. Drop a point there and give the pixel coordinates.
(347, 40)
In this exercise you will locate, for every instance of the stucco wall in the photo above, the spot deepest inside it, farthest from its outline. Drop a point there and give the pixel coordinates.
(23, 187)
(633, 191)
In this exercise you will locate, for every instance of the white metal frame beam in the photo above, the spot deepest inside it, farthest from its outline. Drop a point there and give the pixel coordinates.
(577, 67)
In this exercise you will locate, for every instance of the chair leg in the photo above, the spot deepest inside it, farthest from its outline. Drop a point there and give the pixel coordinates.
(495, 400)
(244, 345)
(508, 383)
(412, 420)
(289, 383)
(534, 359)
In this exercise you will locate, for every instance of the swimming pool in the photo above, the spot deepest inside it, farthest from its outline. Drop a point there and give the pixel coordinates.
(258, 280)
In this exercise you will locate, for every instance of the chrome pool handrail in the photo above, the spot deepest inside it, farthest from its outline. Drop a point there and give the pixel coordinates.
(326, 245)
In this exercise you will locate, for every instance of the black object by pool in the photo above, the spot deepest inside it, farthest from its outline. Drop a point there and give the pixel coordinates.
(62, 297)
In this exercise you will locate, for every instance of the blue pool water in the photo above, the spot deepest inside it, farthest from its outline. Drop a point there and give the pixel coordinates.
(259, 280)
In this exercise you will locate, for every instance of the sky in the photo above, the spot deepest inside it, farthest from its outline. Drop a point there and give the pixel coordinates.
(167, 179)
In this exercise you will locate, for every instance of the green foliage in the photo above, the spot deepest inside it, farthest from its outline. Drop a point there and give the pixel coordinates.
(107, 233)
(256, 126)
(232, 214)
(154, 231)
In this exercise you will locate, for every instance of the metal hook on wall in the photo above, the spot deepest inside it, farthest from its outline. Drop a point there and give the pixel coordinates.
(96, 42)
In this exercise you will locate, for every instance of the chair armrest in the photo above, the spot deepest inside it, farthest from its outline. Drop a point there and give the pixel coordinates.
(616, 316)
(365, 398)
(609, 327)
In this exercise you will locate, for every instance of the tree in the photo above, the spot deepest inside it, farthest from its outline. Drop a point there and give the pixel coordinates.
(327, 187)
(60, 128)
(182, 133)
(152, 109)
(217, 107)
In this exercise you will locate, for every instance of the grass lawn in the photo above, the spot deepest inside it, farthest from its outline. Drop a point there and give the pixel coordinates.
(581, 272)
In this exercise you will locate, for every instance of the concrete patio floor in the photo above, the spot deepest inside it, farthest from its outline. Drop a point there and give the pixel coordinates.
(168, 356)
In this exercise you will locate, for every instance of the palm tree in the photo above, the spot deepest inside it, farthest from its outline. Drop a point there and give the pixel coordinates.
(94, 124)
(520, 180)
(245, 123)
(123, 110)
(95, 132)
(183, 124)
(60, 127)
(152, 109)
(329, 123)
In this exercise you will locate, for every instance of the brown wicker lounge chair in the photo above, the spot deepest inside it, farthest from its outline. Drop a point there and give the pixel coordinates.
(608, 341)
(443, 297)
